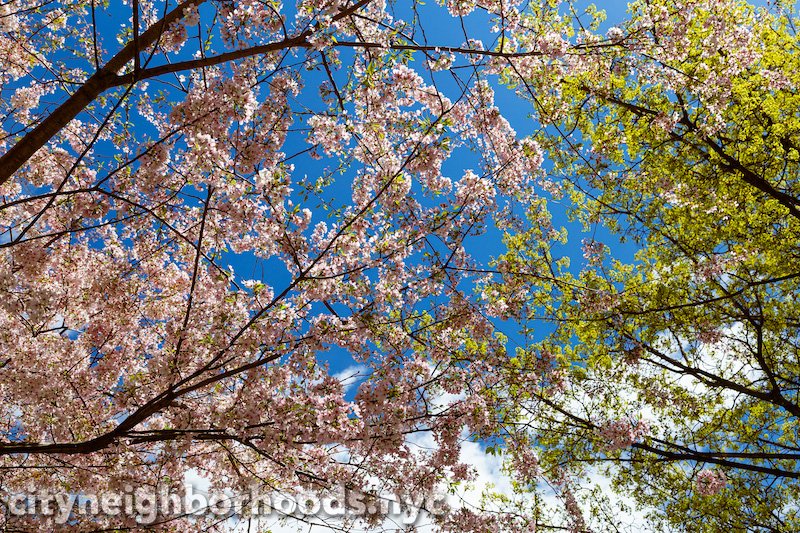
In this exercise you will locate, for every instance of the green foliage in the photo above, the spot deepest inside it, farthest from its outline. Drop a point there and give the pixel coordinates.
(691, 154)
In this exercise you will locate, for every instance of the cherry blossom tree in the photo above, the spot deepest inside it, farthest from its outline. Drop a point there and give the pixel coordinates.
(305, 144)
(209, 207)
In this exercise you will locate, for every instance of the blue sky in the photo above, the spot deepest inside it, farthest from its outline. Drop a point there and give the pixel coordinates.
(445, 31)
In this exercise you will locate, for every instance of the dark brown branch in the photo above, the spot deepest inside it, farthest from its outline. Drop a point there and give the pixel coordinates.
(136, 45)
(100, 81)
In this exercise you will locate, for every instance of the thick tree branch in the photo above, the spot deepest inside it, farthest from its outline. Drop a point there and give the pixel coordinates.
(100, 81)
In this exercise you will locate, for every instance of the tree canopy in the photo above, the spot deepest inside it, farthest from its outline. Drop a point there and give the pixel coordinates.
(329, 243)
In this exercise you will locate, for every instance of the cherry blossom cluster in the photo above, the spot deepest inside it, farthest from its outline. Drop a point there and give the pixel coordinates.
(620, 434)
(710, 482)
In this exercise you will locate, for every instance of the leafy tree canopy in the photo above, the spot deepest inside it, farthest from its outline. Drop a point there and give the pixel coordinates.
(316, 245)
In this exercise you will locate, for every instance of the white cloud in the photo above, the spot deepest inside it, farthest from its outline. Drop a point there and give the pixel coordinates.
(352, 376)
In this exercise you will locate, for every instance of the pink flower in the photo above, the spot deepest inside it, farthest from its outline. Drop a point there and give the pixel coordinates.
(710, 482)
(593, 251)
(666, 123)
(615, 34)
(621, 434)
(552, 44)
(460, 8)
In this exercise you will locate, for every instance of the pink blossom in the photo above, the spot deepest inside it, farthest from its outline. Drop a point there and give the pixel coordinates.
(710, 482)
(593, 251)
(620, 434)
